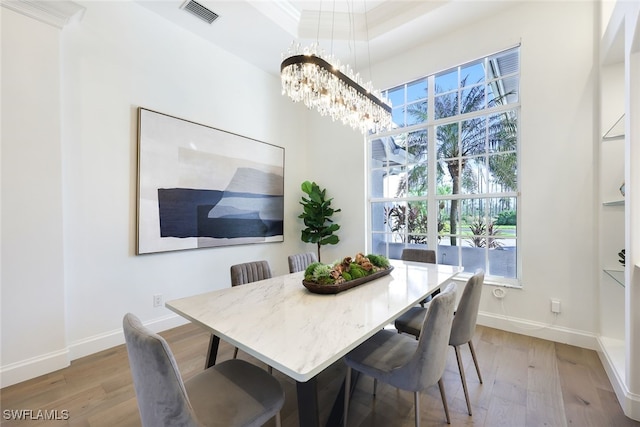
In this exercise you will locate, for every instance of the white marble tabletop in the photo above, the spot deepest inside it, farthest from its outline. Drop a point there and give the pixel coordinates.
(300, 333)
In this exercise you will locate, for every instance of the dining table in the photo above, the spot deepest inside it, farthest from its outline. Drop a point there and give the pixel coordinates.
(301, 333)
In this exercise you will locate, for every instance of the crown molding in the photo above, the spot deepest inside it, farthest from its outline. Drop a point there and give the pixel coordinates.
(281, 12)
(56, 13)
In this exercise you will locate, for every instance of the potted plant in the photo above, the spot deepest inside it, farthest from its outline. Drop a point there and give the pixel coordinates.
(316, 214)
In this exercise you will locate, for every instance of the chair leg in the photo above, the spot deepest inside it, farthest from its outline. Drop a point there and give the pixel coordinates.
(375, 386)
(462, 377)
(347, 388)
(416, 404)
(444, 400)
(278, 420)
(475, 360)
(235, 353)
(270, 369)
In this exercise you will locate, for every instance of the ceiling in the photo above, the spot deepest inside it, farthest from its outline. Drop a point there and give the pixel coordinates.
(358, 32)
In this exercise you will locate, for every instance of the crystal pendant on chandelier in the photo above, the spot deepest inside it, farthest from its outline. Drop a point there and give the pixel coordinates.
(308, 76)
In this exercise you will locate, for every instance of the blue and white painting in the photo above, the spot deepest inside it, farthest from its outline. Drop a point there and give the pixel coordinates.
(201, 187)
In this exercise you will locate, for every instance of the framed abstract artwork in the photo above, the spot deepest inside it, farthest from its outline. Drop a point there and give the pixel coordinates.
(201, 187)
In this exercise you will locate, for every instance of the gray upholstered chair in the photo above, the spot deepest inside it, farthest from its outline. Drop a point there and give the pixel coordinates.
(464, 325)
(403, 362)
(300, 262)
(420, 255)
(249, 272)
(232, 393)
(246, 273)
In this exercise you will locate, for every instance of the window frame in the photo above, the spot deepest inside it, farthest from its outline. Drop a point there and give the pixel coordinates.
(432, 199)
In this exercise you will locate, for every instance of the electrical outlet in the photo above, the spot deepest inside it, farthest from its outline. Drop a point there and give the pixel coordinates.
(157, 300)
(555, 306)
(498, 293)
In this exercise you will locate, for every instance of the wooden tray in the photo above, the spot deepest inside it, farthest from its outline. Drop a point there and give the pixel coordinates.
(317, 288)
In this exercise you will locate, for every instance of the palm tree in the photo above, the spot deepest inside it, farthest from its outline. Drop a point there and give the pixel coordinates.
(457, 141)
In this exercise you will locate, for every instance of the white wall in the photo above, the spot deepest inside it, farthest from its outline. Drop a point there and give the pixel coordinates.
(33, 306)
(77, 134)
(109, 71)
(558, 228)
(337, 162)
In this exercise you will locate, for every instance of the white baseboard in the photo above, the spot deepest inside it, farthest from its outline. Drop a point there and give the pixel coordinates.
(96, 343)
(23, 370)
(539, 330)
(612, 355)
(27, 369)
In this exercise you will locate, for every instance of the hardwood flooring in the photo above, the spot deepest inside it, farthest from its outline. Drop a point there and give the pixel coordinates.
(527, 382)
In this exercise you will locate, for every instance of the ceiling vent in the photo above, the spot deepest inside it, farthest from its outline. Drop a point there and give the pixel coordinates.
(199, 11)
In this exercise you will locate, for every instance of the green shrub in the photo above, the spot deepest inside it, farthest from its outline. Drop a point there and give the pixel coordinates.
(506, 218)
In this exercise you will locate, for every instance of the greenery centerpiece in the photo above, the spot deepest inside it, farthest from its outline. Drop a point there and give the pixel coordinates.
(316, 215)
(345, 274)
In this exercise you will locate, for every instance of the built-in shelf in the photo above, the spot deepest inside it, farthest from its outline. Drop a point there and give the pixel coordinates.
(616, 131)
(617, 275)
(614, 203)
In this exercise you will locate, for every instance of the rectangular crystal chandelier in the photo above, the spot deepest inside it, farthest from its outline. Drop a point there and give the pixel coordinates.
(320, 82)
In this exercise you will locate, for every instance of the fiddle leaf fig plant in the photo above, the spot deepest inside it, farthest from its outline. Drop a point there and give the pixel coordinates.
(316, 215)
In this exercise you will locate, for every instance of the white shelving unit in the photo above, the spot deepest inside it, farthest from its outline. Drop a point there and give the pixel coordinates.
(620, 213)
(617, 275)
(616, 131)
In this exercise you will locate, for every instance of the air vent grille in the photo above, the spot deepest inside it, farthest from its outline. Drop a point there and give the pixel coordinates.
(199, 11)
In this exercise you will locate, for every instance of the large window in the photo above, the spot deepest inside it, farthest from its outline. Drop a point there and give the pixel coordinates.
(446, 177)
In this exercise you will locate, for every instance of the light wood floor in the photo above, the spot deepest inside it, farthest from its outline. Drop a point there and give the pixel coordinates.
(527, 382)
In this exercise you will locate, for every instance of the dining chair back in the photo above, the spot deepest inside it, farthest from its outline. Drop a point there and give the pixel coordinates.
(232, 393)
(462, 329)
(405, 363)
(300, 262)
(464, 322)
(420, 255)
(250, 272)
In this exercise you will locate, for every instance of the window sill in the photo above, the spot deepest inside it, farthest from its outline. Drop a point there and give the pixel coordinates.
(493, 280)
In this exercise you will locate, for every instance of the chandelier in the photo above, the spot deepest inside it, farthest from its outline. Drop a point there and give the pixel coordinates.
(308, 75)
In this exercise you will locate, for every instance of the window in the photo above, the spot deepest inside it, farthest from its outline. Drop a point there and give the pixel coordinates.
(446, 177)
